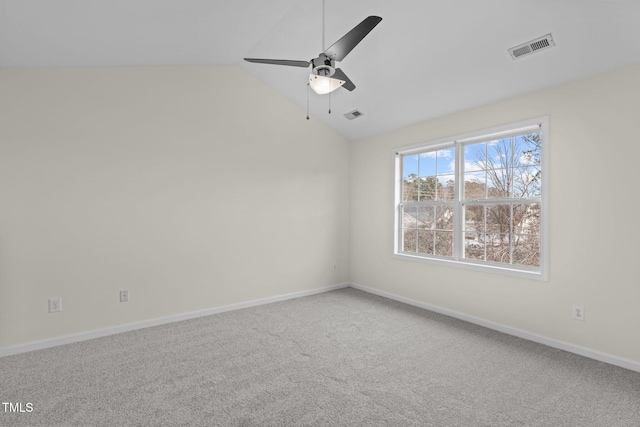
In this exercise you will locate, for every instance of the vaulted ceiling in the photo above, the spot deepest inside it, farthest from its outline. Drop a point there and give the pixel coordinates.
(425, 59)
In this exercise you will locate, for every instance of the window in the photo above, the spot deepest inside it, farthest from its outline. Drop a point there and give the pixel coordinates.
(475, 200)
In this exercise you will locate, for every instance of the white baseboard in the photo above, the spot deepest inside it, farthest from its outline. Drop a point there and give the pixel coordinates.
(572, 348)
(68, 339)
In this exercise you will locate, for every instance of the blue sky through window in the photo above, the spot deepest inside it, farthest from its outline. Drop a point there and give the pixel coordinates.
(433, 163)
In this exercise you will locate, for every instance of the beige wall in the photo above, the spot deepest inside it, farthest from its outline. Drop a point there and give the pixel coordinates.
(198, 187)
(192, 187)
(594, 233)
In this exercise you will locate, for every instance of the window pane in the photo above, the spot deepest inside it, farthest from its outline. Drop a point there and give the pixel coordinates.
(500, 154)
(427, 164)
(410, 166)
(446, 187)
(498, 248)
(409, 178)
(409, 215)
(425, 241)
(474, 218)
(446, 161)
(498, 218)
(428, 187)
(409, 240)
(410, 185)
(526, 219)
(444, 243)
(425, 217)
(527, 150)
(527, 182)
(499, 184)
(444, 217)
(526, 250)
(474, 157)
(475, 185)
(474, 246)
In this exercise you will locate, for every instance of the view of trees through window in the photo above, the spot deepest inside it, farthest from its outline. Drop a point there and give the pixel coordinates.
(499, 201)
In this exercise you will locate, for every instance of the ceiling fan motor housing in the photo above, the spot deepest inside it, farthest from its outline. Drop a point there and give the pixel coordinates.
(323, 65)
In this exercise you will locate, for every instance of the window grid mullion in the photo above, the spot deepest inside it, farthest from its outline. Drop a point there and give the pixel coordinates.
(530, 200)
(511, 233)
(484, 232)
(486, 170)
(458, 215)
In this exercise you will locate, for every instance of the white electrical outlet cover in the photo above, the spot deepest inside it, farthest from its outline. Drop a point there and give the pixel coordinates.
(55, 305)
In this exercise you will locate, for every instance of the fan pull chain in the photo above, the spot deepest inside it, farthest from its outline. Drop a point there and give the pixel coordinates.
(329, 102)
(308, 88)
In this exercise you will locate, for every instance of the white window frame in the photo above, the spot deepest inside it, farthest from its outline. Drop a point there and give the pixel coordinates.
(542, 125)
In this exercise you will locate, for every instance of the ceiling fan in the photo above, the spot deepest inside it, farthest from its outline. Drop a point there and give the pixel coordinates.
(325, 77)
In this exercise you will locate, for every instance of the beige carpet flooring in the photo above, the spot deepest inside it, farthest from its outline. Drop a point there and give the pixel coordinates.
(342, 358)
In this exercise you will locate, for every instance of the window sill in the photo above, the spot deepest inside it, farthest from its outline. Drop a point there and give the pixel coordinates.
(468, 265)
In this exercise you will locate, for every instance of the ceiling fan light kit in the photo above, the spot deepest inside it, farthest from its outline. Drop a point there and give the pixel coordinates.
(323, 85)
(320, 80)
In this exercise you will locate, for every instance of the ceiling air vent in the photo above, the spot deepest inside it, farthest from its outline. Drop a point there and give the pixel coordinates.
(353, 114)
(541, 43)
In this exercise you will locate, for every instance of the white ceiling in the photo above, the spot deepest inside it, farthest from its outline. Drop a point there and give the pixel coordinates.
(424, 60)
